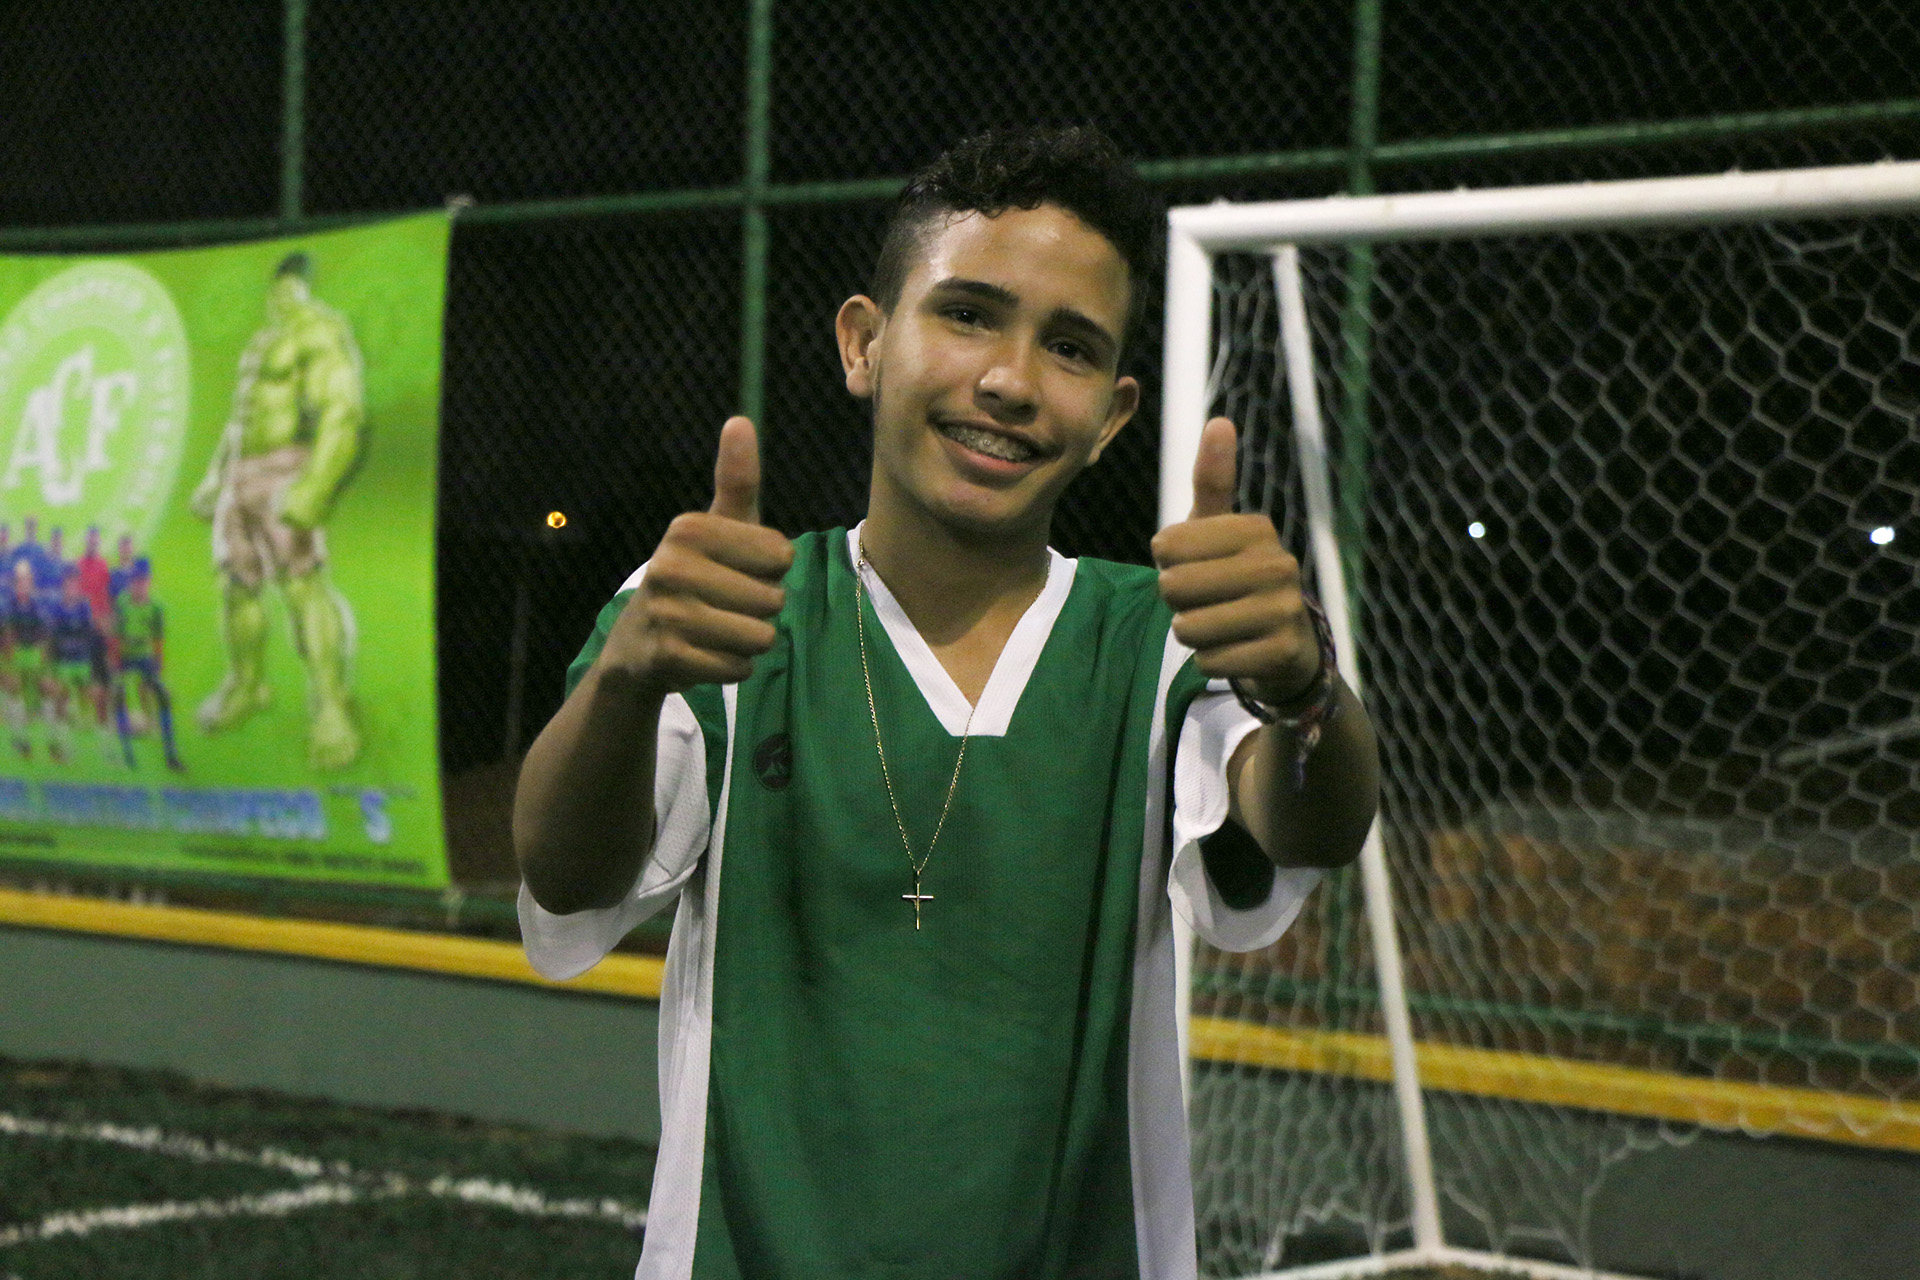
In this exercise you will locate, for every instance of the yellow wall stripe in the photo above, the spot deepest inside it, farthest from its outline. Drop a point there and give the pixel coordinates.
(1524, 1077)
(619, 975)
(1754, 1108)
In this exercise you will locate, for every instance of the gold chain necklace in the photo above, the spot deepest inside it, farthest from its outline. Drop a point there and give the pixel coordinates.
(886, 775)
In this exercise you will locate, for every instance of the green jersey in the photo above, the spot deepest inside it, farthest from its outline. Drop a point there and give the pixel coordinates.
(139, 627)
(995, 1090)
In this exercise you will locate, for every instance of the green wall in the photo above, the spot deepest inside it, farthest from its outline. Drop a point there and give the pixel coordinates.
(383, 1037)
(1722, 1207)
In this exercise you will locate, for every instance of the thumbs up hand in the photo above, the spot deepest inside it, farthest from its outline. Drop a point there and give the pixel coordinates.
(704, 610)
(1234, 590)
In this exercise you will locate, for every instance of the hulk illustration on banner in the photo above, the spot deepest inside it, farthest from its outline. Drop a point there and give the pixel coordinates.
(152, 700)
(291, 444)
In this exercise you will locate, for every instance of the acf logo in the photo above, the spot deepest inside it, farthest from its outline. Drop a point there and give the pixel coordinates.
(93, 401)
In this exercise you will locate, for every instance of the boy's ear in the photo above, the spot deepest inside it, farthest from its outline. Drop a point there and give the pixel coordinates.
(1120, 410)
(857, 327)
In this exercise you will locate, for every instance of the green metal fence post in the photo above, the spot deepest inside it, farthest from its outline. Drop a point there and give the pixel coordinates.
(293, 111)
(1355, 353)
(753, 216)
(1356, 318)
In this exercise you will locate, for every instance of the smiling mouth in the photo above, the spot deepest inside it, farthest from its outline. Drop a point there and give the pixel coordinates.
(991, 443)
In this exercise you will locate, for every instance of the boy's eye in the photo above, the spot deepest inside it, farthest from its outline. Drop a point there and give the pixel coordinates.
(1069, 350)
(965, 315)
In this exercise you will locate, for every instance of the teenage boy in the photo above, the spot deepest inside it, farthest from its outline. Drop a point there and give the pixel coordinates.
(928, 791)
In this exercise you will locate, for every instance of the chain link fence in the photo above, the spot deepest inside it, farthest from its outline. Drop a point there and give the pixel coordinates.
(1634, 581)
(150, 113)
(877, 90)
(672, 199)
(1465, 67)
(409, 104)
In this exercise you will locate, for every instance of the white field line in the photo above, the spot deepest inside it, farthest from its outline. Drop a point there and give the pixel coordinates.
(273, 1204)
(328, 1183)
(180, 1146)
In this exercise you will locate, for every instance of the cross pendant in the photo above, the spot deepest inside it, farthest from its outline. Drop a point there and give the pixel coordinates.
(916, 898)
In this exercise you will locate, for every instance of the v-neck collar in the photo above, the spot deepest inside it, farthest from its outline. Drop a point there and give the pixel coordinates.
(1011, 670)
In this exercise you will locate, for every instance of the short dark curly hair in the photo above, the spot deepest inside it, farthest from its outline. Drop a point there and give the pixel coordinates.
(1076, 167)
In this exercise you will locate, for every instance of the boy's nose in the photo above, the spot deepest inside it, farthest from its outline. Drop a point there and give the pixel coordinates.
(1007, 387)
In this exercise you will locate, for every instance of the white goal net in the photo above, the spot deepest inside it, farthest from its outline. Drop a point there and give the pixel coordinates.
(1623, 483)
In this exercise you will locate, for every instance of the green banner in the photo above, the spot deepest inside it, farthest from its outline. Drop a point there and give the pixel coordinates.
(217, 480)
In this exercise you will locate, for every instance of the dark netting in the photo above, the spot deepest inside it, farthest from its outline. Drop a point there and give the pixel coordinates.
(1478, 66)
(1638, 633)
(410, 103)
(589, 366)
(588, 361)
(816, 449)
(1304, 1166)
(1643, 659)
(138, 113)
(873, 90)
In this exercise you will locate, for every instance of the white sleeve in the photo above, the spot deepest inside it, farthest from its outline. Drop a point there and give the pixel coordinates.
(561, 947)
(1215, 724)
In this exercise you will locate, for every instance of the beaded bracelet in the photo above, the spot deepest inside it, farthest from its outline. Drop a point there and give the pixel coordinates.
(1317, 705)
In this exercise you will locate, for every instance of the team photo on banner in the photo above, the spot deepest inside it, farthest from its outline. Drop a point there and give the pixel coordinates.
(217, 480)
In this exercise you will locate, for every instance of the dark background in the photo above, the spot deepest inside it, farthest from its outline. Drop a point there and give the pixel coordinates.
(592, 355)
(1597, 851)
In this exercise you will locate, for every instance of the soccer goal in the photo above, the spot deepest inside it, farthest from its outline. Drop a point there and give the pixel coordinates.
(1610, 491)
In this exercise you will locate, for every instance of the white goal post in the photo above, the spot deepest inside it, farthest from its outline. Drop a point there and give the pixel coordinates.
(1276, 332)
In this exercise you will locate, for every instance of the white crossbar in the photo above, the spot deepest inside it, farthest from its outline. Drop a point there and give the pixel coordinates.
(1838, 191)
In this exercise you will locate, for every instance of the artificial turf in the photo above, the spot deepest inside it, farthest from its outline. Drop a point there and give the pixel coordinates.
(386, 1158)
(405, 1237)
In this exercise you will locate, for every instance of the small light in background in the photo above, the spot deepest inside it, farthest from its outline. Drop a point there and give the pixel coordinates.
(1882, 536)
(1476, 530)
(556, 519)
